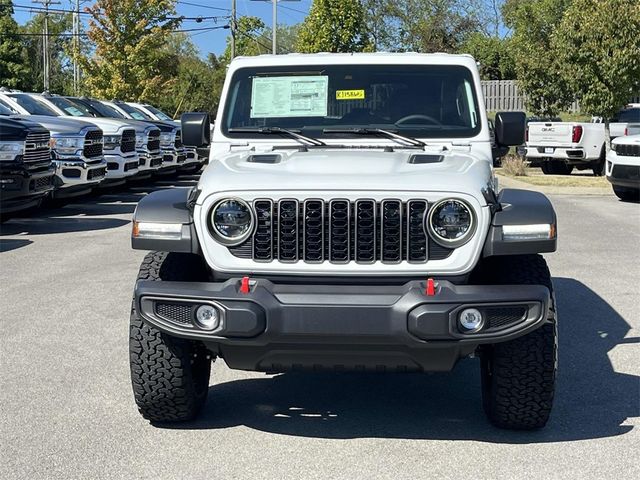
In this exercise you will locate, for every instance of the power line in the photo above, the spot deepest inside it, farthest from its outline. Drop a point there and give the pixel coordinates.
(203, 6)
(182, 30)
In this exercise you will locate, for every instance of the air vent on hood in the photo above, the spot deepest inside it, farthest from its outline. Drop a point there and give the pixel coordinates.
(421, 158)
(264, 158)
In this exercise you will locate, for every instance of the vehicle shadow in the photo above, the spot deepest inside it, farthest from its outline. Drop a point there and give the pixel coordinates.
(7, 245)
(592, 399)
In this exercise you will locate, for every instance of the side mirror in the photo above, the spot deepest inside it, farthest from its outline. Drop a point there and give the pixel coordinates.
(510, 128)
(196, 129)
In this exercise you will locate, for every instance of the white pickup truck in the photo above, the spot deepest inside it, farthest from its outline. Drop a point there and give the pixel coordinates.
(559, 147)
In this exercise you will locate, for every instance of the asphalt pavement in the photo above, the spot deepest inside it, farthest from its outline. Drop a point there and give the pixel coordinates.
(67, 410)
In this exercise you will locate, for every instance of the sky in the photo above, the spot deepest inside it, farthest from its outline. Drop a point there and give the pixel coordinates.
(289, 12)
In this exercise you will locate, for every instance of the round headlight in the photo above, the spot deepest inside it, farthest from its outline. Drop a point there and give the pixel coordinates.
(231, 221)
(451, 222)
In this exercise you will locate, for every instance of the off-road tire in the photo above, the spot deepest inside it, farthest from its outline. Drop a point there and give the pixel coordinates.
(627, 194)
(518, 376)
(169, 375)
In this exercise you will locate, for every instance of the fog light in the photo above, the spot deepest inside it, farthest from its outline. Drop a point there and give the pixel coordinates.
(207, 317)
(470, 320)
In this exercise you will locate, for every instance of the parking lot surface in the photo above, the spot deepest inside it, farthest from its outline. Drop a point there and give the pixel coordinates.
(66, 278)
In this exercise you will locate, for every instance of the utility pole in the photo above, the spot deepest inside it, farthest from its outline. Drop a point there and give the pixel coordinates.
(45, 42)
(233, 29)
(274, 28)
(76, 48)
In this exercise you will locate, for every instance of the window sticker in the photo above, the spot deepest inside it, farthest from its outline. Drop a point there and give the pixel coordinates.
(301, 96)
(349, 94)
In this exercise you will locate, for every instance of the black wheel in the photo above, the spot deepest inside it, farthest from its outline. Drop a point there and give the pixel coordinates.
(518, 377)
(599, 165)
(170, 376)
(562, 168)
(547, 167)
(627, 194)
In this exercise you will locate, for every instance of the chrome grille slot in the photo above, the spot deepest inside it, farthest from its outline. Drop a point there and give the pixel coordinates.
(178, 140)
(416, 238)
(36, 149)
(153, 142)
(339, 231)
(263, 236)
(313, 228)
(93, 144)
(365, 231)
(391, 231)
(288, 230)
(128, 141)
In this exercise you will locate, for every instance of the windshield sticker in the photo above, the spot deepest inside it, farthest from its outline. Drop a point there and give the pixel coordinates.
(74, 111)
(304, 96)
(349, 94)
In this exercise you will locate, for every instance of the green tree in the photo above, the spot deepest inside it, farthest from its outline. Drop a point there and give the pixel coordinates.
(13, 70)
(430, 25)
(537, 67)
(60, 69)
(129, 38)
(600, 58)
(493, 54)
(334, 26)
(251, 39)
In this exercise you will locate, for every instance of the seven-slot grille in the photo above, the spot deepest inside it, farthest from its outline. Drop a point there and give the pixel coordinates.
(340, 231)
(128, 142)
(153, 143)
(93, 144)
(36, 149)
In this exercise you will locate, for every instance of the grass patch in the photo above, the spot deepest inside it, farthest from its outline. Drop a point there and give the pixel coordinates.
(580, 179)
(515, 166)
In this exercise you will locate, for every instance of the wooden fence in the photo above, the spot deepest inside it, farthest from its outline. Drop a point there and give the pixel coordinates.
(505, 95)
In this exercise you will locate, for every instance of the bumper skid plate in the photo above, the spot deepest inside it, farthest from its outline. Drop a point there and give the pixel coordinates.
(275, 327)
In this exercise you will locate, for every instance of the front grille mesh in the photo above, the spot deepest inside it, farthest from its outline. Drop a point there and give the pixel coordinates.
(153, 143)
(178, 140)
(340, 231)
(128, 142)
(627, 150)
(93, 144)
(175, 312)
(502, 317)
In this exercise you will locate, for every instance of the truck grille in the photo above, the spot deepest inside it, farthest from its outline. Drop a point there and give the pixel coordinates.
(178, 141)
(153, 144)
(93, 144)
(96, 173)
(128, 142)
(340, 231)
(37, 151)
(627, 150)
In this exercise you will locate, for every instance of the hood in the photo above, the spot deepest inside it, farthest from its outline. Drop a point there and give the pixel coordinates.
(627, 140)
(349, 170)
(58, 125)
(17, 129)
(112, 126)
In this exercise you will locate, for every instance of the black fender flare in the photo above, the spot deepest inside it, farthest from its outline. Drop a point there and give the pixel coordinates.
(520, 207)
(168, 206)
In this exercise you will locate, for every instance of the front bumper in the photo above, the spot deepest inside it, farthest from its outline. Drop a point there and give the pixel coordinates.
(78, 176)
(21, 188)
(275, 327)
(623, 171)
(120, 167)
(577, 154)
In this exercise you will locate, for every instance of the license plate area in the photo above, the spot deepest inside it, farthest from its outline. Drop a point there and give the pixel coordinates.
(549, 149)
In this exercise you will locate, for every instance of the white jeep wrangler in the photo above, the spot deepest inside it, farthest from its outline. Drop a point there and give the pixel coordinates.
(348, 220)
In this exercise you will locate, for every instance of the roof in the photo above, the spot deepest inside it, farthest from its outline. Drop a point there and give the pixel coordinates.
(377, 58)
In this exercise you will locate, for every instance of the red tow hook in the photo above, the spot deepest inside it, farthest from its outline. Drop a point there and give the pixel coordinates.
(431, 288)
(244, 285)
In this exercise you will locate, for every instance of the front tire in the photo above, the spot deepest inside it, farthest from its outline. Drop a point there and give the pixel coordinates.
(518, 376)
(169, 375)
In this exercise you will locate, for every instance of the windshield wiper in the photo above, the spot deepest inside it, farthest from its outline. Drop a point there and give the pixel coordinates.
(277, 131)
(377, 131)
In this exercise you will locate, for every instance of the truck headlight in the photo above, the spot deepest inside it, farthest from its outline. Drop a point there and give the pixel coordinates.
(10, 150)
(111, 142)
(166, 139)
(67, 145)
(231, 221)
(451, 222)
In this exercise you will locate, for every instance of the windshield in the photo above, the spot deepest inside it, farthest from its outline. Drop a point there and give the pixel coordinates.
(428, 101)
(629, 115)
(70, 108)
(105, 110)
(31, 105)
(159, 113)
(6, 109)
(134, 112)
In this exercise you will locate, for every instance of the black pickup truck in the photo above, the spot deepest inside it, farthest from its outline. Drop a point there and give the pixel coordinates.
(26, 171)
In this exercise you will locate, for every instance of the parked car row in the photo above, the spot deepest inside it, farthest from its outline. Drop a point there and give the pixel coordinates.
(64, 147)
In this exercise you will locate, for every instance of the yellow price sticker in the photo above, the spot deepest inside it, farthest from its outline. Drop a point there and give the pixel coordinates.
(349, 94)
